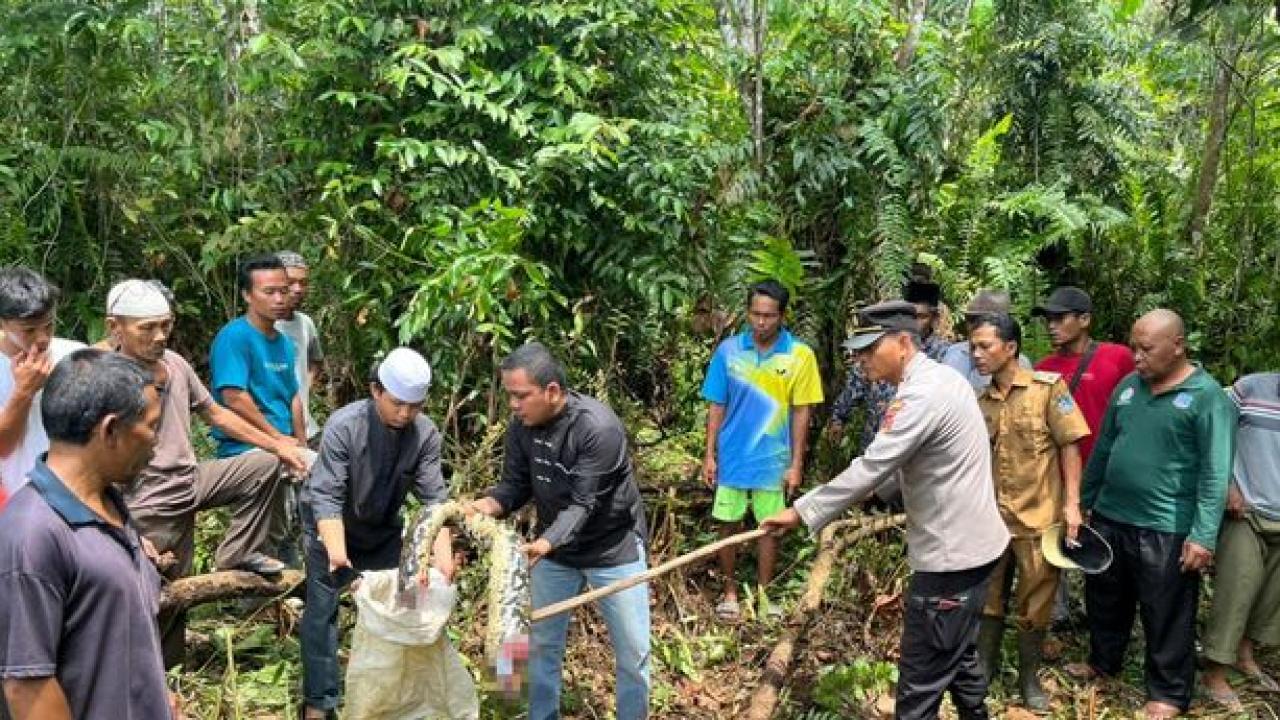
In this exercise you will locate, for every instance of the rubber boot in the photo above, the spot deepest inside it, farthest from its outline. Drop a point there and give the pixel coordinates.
(1030, 646)
(990, 632)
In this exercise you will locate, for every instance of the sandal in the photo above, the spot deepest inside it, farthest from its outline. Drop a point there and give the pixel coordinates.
(728, 610)
(1082, 672)
(1265, 682)
(1228, 699)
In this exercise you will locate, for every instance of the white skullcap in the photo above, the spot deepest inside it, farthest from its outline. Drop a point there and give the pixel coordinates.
(136, 298)
(405, 374)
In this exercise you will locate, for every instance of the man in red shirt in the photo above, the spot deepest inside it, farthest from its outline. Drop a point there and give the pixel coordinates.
(1092, 369)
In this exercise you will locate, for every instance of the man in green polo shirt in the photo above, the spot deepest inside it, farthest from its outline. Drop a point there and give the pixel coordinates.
(1156, 485)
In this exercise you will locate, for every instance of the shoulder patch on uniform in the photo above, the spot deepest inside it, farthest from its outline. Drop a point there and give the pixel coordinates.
(1066, 404)
(1046, 377)
(890, 414)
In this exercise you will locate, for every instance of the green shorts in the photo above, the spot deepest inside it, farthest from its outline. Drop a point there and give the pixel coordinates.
(731, 503)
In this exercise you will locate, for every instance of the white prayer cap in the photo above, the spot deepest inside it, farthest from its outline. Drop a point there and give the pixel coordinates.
(137, 298)
(405, 374)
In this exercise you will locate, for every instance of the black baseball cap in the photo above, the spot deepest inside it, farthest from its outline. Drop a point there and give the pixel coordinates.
(1066, 299)
(876, 320)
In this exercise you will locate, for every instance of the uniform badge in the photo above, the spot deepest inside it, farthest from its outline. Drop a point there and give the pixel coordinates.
(890, 414)
(1126, 396)
(1066, 404)
(1182, 401)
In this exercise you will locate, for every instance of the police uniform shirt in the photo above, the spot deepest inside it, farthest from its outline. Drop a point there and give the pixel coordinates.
(1027, 426)
(934, 438)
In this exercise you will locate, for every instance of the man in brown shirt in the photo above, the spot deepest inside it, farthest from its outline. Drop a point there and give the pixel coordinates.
(1035, 430)
(166, 494)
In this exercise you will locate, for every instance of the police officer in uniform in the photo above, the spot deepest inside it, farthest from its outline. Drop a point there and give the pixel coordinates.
(933, 437)
(1035, 429)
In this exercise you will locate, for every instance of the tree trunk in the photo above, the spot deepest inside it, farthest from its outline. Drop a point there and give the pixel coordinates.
(915, 25)
(1214, 139)
(743, 24)
(224, 585)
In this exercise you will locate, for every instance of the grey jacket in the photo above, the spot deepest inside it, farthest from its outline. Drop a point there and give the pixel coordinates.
(932, 436)
(365, 471)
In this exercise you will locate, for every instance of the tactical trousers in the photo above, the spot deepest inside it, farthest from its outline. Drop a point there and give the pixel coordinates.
(1144, 576)
(939, 649)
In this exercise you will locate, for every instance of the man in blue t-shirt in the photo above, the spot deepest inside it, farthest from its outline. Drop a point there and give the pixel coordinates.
(252, 363)
(761, 387)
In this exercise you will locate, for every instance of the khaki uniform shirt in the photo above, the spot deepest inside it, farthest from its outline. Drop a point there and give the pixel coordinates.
(933, 439)
(1027, 426)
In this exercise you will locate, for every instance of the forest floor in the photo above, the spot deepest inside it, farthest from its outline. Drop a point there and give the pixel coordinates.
(243, 658)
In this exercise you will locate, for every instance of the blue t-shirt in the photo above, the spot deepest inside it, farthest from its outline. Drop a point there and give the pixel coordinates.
(758, 391)
(244, 358)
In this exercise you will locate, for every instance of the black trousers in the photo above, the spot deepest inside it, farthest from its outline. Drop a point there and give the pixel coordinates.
(939, 651)
(1145, 575)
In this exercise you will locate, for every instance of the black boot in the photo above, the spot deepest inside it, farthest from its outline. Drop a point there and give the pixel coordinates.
(990, 632)
(1030, 646)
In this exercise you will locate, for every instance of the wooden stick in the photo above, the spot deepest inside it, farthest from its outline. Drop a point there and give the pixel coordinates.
(566, 605)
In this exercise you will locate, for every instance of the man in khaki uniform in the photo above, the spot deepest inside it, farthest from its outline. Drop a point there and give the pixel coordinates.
(1035, 430)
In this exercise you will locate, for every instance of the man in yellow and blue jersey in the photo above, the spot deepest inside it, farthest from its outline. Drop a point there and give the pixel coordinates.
(762, 385)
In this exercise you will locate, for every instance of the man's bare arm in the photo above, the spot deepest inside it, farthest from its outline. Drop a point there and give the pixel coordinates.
(241, 403)
(36, 699)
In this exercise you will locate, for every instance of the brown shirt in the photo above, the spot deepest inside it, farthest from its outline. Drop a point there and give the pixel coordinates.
(167, 484)
(1027, 428)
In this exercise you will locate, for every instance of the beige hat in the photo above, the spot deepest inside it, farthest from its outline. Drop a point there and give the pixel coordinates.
(1090, 552)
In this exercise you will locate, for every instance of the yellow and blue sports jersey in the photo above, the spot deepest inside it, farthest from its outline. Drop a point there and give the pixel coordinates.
(758, 392)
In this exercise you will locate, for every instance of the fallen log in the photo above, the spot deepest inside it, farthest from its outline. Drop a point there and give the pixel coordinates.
(188, 592)
(834, 539)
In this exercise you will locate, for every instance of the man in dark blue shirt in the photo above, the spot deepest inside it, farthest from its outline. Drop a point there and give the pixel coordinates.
(78, 635)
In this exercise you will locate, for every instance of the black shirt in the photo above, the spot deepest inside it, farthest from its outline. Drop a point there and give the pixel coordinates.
(365, 470)
(577, 472)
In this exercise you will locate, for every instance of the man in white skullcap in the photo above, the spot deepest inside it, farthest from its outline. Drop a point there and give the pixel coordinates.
(174, 486)
(373, 453)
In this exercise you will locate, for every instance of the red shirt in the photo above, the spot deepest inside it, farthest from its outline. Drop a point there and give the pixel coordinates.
(1110, 364)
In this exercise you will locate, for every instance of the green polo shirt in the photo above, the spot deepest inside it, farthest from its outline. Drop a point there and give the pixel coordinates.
(1163, 461)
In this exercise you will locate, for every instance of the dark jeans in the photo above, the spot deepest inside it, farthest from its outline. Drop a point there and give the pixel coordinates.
(939, 650)
(1145, 573)
(319, 626)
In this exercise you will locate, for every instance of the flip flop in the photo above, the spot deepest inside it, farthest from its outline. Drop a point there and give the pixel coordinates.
(1082, 672)
(1264, 681)
(728, 610)
(1226, 698)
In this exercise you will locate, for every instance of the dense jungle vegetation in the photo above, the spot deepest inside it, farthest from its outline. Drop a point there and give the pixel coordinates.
(607, 175)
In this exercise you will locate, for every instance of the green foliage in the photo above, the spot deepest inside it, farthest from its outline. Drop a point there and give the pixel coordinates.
(467, 175)
(844, 688)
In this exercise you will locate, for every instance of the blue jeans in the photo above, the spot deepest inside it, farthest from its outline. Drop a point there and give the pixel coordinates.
(319, 627)
(627, 616)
